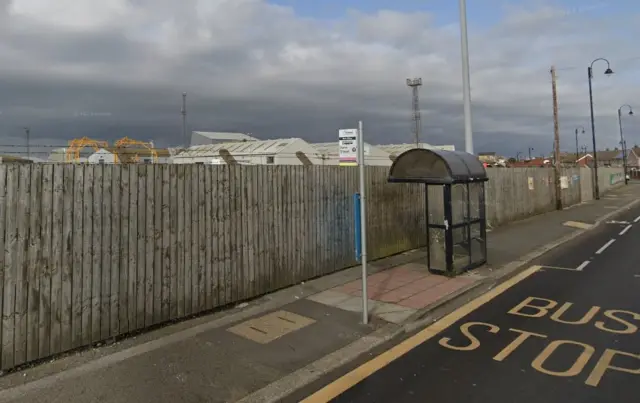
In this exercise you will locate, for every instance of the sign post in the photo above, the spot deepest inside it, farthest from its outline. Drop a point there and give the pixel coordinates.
(363, 221)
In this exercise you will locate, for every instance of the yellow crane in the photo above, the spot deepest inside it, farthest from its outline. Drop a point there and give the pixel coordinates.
(133, 156)
(72, 154)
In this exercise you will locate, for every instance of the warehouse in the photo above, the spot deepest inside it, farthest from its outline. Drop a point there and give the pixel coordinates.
(373, 155)
(396, 149)
(292, 151)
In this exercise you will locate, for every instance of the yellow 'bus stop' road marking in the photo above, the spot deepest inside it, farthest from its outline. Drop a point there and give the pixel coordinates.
(339, 386)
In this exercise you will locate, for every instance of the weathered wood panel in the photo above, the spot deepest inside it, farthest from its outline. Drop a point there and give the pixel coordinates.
(92, 252)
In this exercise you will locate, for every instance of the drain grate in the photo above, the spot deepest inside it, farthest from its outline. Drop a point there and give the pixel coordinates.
(270, 327)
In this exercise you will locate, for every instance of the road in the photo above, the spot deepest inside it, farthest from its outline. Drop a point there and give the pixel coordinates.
(563, 332)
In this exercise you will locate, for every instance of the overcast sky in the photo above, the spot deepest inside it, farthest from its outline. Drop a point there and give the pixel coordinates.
(285, 68)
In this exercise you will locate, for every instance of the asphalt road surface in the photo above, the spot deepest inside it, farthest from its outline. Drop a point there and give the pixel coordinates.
(563, 332)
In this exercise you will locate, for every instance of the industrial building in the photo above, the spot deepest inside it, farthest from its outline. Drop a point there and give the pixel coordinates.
(292, 151)
(205, 138)
(396, 149)
(373, 155)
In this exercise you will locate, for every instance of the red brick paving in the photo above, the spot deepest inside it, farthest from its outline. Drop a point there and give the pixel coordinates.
(410, 285)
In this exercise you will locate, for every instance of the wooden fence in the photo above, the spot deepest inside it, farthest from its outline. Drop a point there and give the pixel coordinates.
(89, 252)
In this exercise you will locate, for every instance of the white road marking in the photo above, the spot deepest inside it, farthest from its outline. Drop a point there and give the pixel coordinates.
(605, 246)
(625, 229)
(582, 266)
(637, 219)
(542, 268)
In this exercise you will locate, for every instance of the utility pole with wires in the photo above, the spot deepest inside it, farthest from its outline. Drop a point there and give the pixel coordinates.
(556, 140)
(27, 131)
(415, 84)
(185, 141)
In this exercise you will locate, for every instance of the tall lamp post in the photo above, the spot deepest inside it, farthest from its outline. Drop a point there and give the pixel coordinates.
(466, 81)
(577, 152)
(607, 72)
(518, 155)
(530, 149)
(622, 142)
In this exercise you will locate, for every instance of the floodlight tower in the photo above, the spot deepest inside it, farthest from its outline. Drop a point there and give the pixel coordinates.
(415, 84)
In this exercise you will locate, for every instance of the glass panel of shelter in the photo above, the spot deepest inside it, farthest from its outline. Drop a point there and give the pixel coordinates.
(455, 210)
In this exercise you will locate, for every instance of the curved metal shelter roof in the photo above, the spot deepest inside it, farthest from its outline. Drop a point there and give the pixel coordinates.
(437, 167)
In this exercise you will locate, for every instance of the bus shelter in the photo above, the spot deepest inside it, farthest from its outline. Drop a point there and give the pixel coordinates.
(456, 225)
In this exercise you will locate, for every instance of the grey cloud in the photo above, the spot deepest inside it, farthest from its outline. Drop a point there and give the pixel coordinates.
(250, 66)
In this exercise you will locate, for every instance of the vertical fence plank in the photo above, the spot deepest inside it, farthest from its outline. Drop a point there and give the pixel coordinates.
(149, 242)
(224, 232)
(207, 241)
(22, 280)
(132, 276)
(180, 250)
(280, 264)
(217, 259)
(34, 253)
(141, 245)
(260, 235)
(174, 223)
(168, 234)
(267, 233)
(106, 268)
(201, 243)
(86, 245)
(158, 283)
(244, 284)
(96, 255)
(188, 211)
(47, 265)
(10, 263)
(115, 249)
(125, 244)
(69, 203)
(236, 223)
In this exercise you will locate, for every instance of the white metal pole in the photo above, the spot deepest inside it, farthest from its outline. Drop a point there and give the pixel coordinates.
(466, 80)
(363, 224)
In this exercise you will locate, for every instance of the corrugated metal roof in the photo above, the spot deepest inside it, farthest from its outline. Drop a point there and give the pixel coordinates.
(396, 149)
(258, 147)
(231, 136)
(332, 148)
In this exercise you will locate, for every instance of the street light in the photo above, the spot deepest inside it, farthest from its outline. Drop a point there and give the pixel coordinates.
(577, 153)
(622, 142)
(466, 81)
(518, 155)
(607, 72)
(530, 149)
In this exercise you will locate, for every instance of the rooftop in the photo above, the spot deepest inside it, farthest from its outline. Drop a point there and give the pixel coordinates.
(256, 147)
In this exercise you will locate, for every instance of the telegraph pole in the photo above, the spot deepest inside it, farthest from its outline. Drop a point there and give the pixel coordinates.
(185, 141)
(27, 131)
(556, 140)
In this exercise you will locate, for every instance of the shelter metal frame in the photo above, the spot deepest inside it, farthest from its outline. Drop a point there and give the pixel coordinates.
(464, 230)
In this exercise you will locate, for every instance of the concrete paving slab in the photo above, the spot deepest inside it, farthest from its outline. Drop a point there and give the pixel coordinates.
(331, 297)
(215, 366)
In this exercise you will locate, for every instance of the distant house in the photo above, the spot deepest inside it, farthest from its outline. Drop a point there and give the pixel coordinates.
(488, 157)
(102, 156)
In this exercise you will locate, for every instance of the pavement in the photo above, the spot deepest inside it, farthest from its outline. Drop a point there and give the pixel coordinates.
(293, 342)
(564, 329)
